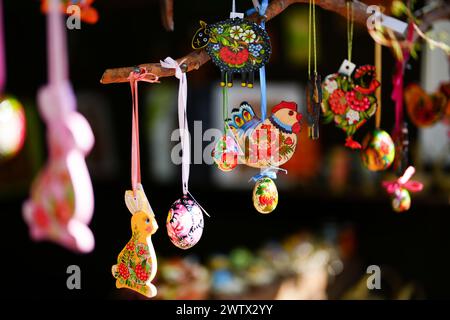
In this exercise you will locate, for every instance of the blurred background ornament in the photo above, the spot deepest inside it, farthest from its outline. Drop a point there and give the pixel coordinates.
(399, 190)
(424, 109)
(12, 127)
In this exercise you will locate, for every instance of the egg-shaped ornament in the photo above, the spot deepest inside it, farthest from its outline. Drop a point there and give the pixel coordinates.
(265, 195)
(401, 200)
(225, 153)
(12, 127)
(185, 223)
(378, 150)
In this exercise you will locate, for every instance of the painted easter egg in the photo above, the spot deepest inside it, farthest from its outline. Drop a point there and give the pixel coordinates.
(12, 127)
(185, 223)
(378, 151)
(225, 153)
(265, 195)
(401, 200)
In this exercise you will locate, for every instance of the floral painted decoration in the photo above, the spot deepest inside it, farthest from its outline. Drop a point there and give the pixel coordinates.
(378, 151)
(265, 195)
(185, 223)
(268, 143)
(235, 46)
(350, 101)
(136, 264)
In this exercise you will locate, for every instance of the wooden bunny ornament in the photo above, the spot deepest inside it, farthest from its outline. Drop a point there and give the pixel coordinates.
(136, 264)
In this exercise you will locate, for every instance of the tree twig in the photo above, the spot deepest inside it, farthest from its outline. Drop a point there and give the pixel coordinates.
(196, 59)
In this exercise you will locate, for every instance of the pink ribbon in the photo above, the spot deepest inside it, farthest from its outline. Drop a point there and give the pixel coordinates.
(140, 74)
(397, 92)
(403, 182)
(170, 63)
(2, 52)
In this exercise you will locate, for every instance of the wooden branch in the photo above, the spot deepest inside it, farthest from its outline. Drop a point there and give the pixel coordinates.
(196, 59)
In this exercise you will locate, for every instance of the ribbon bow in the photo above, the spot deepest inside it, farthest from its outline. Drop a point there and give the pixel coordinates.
(403, 182)
(270, 172)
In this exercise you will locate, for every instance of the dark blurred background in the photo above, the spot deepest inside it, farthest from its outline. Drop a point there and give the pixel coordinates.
(326, 185)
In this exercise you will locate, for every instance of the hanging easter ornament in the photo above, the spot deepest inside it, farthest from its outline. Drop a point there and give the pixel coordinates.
(349, 98)
(424, 109)
(12, 114)
(62, 201)
(225, 153)
(378, 149)
(269, 142)
(399, 190)
(226, 150)
(185, 223)
(314, 87)
(265, 195)
(185, 219)
(136, 264)
(235, 45)
(75, 8)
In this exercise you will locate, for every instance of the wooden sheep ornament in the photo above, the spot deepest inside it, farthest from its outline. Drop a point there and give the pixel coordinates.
(235, 46)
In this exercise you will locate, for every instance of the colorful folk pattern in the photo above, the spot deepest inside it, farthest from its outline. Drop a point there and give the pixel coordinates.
(271, 142)
(185, 223)
(265, 195)
(235, 46)
(136, 264)
(378, 151)
(401, 200)
(225, 153)
(350, 101)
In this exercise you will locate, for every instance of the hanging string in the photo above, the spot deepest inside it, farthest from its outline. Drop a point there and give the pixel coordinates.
(262, 7)
(170, 63)
(2, 52)
(225, 104)
(134, 77)
(312, 38)
(379, 71)
(350, 23)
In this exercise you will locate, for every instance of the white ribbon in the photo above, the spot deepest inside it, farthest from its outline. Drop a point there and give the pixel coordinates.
(170, 63)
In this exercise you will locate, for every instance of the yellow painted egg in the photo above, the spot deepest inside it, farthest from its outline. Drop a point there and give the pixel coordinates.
(378, 150)
(401, 200)
(265, 195)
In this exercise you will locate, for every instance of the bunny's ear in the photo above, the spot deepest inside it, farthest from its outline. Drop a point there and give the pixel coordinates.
(145, 205)
(133, 202)
(137, 202)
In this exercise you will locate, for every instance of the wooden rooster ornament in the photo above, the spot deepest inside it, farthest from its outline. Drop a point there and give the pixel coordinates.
(136, 264)
(268, 143)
